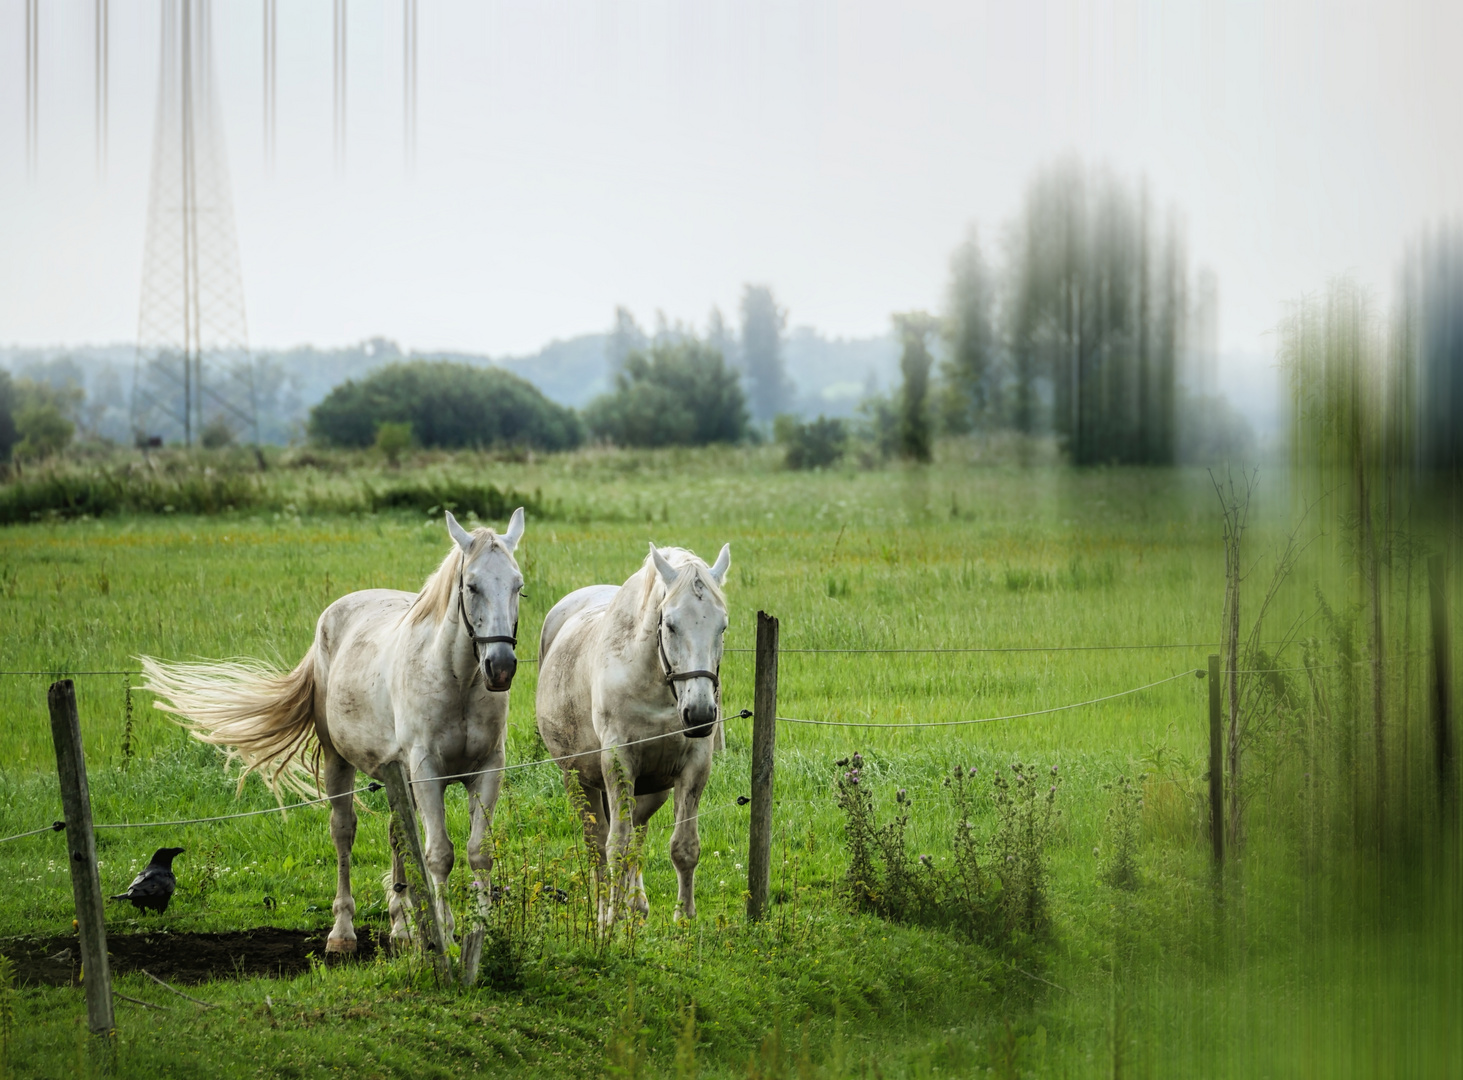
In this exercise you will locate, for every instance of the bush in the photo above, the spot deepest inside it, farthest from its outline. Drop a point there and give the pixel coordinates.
(814, 445)
(679, 394)
(447, 405)
(43, 430)
(216, 434)
(391, 440)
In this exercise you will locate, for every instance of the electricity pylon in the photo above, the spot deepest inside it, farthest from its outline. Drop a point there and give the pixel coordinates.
(193, 374)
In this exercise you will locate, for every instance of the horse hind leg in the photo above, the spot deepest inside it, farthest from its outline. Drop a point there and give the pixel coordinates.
(340, 777)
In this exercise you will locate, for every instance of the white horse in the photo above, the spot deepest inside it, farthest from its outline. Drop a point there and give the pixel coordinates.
(619, 665)
(419, 678)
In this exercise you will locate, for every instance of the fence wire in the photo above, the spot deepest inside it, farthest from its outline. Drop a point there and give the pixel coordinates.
(991, 719)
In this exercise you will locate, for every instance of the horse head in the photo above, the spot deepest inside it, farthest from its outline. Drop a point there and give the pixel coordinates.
(488, 588)
(691, 629)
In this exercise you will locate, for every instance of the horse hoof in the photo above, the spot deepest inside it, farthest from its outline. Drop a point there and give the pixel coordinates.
(340, 945)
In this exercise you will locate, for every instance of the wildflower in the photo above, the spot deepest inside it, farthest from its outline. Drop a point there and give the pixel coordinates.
(1054, 770)
(925, 859)
(1053, 791)
(857, 760)
(1094, 853)
(972, 770)
(1010, 858)
(900, 797)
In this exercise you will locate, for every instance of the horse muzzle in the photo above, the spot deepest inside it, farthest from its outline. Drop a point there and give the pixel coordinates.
(699, 720)
(499, 666)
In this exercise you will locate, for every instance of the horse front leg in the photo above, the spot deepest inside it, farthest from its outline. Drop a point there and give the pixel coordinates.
(340, 777)
(686, 841)
(431, 807)
(645, 808)
(619, 800)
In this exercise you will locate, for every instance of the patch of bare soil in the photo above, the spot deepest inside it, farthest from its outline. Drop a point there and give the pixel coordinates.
(182, 957)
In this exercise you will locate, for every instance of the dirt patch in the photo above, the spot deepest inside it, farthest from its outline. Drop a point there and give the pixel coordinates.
(182, 958)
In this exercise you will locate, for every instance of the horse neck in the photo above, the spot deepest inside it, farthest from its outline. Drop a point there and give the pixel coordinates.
(643, 620)
(449, 644)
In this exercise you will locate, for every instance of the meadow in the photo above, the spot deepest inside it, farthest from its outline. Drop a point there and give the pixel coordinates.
(1287, 966)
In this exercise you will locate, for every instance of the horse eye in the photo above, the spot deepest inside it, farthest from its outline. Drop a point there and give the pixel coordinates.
(472, 589)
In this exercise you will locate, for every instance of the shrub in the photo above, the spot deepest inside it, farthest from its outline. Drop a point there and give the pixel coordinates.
(447, 405)
(391, 439)
(678, 394)
(44, 431)
(216, 434)
(814, 445)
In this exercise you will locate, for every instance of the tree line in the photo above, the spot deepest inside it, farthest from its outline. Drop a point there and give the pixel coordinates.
(1076, 331)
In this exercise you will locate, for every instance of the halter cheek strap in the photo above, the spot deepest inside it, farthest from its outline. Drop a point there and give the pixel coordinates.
(479, 640)
(673, 676)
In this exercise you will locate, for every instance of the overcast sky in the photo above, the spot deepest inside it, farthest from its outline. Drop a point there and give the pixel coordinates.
(575, 156)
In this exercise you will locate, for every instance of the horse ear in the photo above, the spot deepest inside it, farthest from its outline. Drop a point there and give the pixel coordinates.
(667, 571)
(515, 530)
(458, 533)
(721, 566)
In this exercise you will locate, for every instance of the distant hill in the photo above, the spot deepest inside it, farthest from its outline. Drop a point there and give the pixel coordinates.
(831, 375)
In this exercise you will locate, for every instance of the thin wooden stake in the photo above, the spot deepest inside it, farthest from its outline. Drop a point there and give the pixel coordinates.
(1216, 760)
(764, 742)
(1442, 686)
(405, 831)
(81, 849)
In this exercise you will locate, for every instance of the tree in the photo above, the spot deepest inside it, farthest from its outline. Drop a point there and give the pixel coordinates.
(1098, 306)
(763, 322)
(447, 405)
(914, 329)
(8, 435)
(676, 393)
(970, 374)
(626, 337)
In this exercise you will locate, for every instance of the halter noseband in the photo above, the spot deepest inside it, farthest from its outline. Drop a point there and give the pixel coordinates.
(479, 640)
(673, 676)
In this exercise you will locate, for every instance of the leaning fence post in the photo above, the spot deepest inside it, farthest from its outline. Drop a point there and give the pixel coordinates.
(1216, 761)
(1442, 684)
(406, 833)
(81, 849)
(764, 740)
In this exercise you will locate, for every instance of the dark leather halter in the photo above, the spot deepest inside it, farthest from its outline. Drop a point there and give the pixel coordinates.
(671, 675)
(479, 640)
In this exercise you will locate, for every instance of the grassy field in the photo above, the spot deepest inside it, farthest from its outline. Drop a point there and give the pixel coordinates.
(1279, 971)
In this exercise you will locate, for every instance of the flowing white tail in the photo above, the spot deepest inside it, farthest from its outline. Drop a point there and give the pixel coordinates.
(264, 716)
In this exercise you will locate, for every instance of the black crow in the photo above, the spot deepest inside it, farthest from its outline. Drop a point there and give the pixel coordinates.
(153, 888)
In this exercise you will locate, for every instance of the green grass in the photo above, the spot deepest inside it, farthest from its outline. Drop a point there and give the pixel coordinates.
(1133, 983)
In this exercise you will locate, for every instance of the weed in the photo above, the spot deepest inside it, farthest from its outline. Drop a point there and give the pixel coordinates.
(208, 876)
(1120, 867)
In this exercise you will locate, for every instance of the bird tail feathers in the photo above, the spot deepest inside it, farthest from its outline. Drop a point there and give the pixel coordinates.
(265, 717)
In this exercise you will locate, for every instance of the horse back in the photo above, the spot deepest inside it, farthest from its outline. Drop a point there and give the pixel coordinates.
(589, 598)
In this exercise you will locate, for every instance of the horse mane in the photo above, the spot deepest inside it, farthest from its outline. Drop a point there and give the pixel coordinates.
(435, 598)
(682, 560)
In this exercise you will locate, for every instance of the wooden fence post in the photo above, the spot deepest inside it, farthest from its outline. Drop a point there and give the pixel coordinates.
(1442, 685)
(1216, 760)
(764, 742)
(406, 832)
(81, 849)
